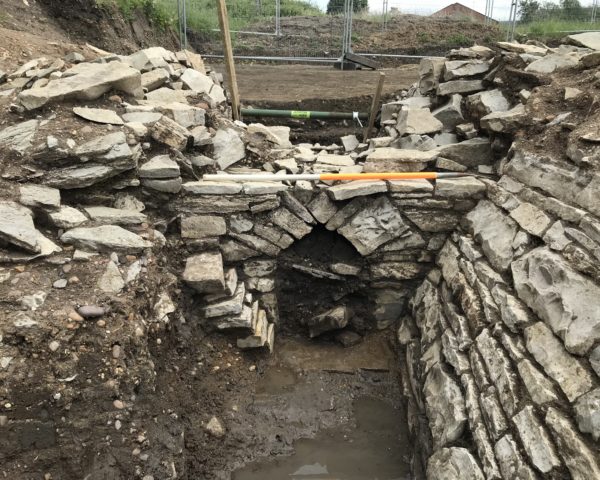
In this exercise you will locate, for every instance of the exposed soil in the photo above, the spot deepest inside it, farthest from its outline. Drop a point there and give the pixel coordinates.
(302, 87)
(321, 36)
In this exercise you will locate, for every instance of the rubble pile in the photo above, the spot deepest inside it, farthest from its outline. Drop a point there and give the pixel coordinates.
(109, 235)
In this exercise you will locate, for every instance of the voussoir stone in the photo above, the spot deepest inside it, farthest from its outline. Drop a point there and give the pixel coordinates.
(375, 224)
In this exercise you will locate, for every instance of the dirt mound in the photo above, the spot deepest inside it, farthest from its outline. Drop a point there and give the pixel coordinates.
(321, 36)
(79, 21)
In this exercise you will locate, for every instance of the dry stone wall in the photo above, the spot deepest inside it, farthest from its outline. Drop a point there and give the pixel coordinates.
(502, 340)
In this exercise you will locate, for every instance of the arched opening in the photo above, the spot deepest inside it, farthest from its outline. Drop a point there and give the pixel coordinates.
(320, 273)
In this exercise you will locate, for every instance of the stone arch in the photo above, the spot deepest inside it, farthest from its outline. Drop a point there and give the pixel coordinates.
(397, 227)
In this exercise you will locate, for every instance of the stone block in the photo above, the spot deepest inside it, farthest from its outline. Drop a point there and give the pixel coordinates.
(537, 442)
(495, 232)
(204, 272)
(566, 300)
(582, 462)
(564, 369)
(445, 406)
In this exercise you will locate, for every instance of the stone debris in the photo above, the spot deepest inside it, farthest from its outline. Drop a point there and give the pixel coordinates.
(204, 272)
(98, 115)
(334, 319)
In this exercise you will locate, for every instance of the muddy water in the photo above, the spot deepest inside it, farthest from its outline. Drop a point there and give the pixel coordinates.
(376, 448)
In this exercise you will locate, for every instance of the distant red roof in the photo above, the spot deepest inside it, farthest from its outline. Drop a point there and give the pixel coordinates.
(460, 10)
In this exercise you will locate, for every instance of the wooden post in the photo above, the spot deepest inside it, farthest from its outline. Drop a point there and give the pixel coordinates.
(228, 52)
(374, 107)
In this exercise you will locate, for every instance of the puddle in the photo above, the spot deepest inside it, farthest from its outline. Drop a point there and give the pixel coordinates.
(276, 380)
(377, 449)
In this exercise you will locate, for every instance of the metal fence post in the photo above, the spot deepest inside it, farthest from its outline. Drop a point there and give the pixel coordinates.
(278, 17)
(385, 12)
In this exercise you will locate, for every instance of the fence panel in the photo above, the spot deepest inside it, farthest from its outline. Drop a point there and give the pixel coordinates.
(265, 28)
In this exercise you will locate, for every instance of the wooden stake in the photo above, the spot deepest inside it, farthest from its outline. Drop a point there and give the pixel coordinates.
(228, 51)
(374, 107)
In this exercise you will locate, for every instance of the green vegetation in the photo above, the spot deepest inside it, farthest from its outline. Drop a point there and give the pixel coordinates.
(337, 6)
(202, 14)
(459, 40)
(547, 19)
(162, 13)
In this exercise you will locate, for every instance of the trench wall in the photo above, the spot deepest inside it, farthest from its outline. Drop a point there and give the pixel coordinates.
(501, 344)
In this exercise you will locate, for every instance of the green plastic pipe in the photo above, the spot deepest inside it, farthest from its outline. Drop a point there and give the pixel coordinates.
(262, 112)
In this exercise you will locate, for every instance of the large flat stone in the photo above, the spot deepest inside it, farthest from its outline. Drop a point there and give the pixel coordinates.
(418, 121)
(536, 441)
(459, 86)
(115, 216)
(549, 352)
(18, 137)
(98, 115)
(505, 121)
(205, 187)
(160, 166)
(453, 464)
(511, 463)
(470, 153)
(375, 224)
(398, 160)
(80, 177)
(587, 413)
(344, 191)
(67, 217)
(445, 406)
(586, 40)
(566, 300)
(333, 319)
(582, 462)
(552, 63)
(228, 148)
(459, 187)
(17, 228)
(39, 196)
(456, 69)
(285, 219)
(105, 238)
(204, 272)
(202, 226)
(494, 231)
(85, 81)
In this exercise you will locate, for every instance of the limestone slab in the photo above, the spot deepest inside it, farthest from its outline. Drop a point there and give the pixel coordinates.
(563, 368)
(105, 238)
(85, 81)
(204, 272)
(566, 300)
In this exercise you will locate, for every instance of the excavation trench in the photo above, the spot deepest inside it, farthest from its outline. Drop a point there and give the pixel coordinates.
(328, 402)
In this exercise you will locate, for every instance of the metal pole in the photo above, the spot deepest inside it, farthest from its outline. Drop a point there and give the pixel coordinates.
(385, 11)
(263, 112)
(594, 7)
(185, 42)
(278, 17)
(179, 23)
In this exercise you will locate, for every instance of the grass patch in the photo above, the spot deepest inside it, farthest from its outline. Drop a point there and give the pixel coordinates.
(162, 13)
(553, 28)
(202, 14)
(459, 40)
